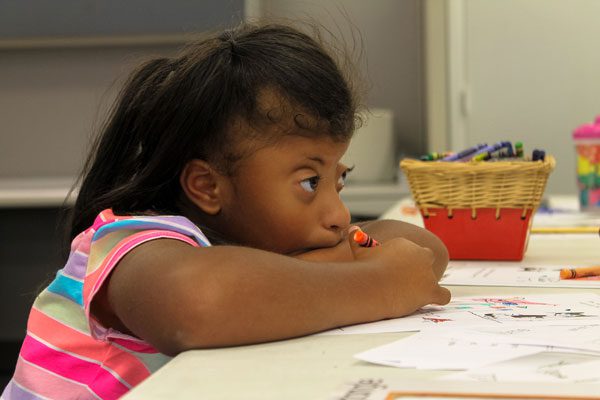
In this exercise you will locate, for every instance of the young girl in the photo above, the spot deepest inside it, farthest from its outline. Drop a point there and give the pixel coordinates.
(209, 215)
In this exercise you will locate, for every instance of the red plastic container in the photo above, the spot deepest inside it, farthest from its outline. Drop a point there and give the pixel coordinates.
(484, 237)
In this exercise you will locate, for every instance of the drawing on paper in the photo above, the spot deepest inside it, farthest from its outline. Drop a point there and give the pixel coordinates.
(436, 320)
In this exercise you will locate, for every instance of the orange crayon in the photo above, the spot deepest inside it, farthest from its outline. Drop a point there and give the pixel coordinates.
(364, 240)
(572, 273)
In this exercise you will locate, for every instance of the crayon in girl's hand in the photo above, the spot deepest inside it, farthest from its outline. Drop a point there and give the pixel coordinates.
(363, 239)
(572, 273)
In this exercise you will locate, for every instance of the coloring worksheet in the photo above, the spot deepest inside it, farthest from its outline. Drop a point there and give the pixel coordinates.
(511, 274)
(491, 311)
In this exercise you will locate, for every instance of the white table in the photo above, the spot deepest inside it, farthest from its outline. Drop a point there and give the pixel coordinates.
(313, 367)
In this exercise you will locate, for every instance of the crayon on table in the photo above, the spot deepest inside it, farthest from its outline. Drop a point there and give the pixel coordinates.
(364, 240)
(572, 273)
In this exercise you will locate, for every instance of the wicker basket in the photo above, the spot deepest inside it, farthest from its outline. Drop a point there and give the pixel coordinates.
(481, 210)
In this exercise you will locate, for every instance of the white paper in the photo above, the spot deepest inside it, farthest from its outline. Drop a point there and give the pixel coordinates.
(541, 367)
(449, 350)
(581, 337)
(586, 372)
(565, 218)
(465, 312)
(362, 389)
(404, 210)
(477, 273)
(469, 349)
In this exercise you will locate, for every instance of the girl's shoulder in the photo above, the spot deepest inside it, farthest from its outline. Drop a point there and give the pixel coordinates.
(100, 249)
(108, 224)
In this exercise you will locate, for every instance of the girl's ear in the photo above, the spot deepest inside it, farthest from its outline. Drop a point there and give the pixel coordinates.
(201, 184)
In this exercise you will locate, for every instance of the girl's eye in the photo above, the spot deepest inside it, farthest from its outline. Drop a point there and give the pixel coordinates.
(342, 179)
(310, 184)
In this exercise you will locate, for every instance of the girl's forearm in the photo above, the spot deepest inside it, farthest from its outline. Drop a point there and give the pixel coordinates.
(226, 296)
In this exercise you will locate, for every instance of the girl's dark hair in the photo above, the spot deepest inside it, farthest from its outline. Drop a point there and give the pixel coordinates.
(173, 110)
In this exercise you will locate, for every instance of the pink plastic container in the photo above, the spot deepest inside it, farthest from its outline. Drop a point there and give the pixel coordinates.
(587, 147)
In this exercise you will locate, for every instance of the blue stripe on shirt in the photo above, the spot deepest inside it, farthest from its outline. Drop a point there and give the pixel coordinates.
(185, 227)
(67, 287)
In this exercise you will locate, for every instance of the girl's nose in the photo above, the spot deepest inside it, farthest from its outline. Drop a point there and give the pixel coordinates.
(337, 215)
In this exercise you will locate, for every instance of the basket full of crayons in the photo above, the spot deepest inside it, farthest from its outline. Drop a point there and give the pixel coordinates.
(480, 201)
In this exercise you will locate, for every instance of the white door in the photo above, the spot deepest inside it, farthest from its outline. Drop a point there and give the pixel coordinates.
(523, 70)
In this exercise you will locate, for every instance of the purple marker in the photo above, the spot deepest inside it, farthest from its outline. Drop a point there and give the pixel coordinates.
(464, 153)
(489, 150)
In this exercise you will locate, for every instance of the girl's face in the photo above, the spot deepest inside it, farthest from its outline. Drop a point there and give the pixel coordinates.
(285, 197)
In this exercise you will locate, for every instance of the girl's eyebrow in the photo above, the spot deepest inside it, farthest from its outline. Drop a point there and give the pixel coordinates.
(317, 159)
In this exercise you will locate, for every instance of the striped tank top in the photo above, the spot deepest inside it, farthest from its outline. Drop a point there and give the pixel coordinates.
(67, 354)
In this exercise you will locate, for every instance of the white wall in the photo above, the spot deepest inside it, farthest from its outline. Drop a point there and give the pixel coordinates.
(529, 70)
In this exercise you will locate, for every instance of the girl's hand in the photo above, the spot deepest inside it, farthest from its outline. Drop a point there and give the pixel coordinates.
(408, 281)
(384, 230)
(406, 269)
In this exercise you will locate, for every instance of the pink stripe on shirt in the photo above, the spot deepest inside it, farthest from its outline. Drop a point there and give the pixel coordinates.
(46, 383)
(125, 364)
(99, 380)
(138, 346)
